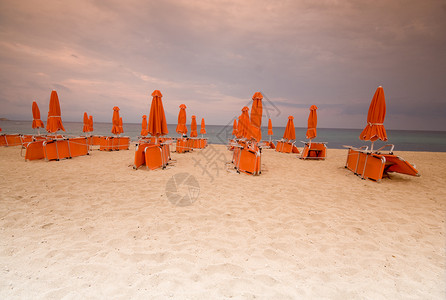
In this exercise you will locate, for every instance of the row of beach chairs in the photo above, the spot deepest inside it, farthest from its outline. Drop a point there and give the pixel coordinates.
(155, 153)
(56, 147)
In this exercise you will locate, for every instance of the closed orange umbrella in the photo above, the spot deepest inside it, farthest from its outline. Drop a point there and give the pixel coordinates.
(244, 125)
(234, 128)
(181, 127)
(37, 123)
(377, 112)
(90, 123)
(290, 131)
(121, 128)
(115, 121)
(144, 131)
(202, 127)
(256, 116)
(312, 123)
(86, 127)
(270, 127)
(193, 127)
(157, 125)
(54, 122)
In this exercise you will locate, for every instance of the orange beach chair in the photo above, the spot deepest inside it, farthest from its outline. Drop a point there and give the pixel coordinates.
(374, 165)
(184, 145)
(10, 140)
(198, 143)
(57, 149)
(154, 156)
(285, 146)
(247, 159)
(313, 150)
(112, 143)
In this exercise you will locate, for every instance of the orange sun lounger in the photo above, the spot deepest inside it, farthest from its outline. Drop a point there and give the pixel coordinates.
(286, 147)
(184, 145)
(198, 143)
(11, 140)
(314, 151)
(154, 156)
(247, 159)
(94, 140)
(56, 149)
(267, 145)
(374, 165)
(112, 143)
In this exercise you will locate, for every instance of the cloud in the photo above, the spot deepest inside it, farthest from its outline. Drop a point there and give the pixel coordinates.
(213, 56)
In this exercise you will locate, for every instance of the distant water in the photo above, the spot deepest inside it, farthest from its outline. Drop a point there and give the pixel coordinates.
(404, 140)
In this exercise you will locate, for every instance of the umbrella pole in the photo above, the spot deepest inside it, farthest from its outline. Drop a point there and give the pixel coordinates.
(371, 147)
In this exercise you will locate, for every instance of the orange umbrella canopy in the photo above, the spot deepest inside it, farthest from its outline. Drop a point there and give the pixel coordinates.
(37, 123)
(90, 123)
(193, 127)
(270, 127)
(86, 127)
(244, 125)
(234, 127)
(312, 123)
(144, 131)
(181, 127)
(377, 112)
(157, 125)
(256, 116)
(121, 128)
(202, 127)
(290, 132)
(115, 121)
(54, 122)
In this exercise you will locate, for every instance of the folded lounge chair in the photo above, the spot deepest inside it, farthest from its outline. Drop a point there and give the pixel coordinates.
(154, 156)
(11, 140)
(247, 159)
(112, 143)
(56, 149)
(286, 146)
(198, 143)
(375, 164)
(313, 150)
(181, 145)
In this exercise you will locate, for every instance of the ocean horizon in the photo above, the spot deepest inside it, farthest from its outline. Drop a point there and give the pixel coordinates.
(336, 138)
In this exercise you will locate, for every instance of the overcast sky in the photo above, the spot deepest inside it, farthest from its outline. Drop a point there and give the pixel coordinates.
(214, 55)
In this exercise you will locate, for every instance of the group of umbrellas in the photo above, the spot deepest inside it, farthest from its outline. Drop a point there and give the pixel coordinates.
(157, 126)
(54, 121)
(248, 126)
(182, 128)
(88, 123)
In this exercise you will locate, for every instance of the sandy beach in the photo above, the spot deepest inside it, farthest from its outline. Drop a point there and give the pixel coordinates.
(92, 227)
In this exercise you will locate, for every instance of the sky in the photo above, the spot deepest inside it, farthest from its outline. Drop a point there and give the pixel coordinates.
(214, 55)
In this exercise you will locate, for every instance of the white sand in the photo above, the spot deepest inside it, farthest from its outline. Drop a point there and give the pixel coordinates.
(93, 228)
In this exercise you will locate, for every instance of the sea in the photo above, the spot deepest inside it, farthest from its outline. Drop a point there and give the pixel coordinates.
(336, 138)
